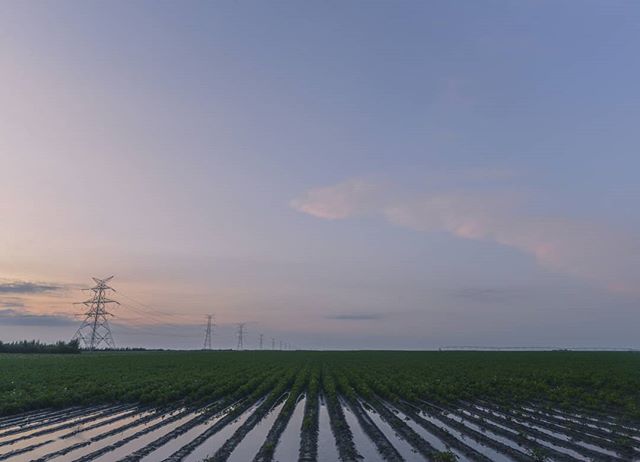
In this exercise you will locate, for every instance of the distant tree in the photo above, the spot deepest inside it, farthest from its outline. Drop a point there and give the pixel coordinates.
(35, 346)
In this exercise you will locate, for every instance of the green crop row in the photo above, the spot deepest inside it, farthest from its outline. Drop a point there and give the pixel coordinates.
(598, 381)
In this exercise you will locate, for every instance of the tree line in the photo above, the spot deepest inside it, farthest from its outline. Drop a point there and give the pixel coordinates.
(36, 346)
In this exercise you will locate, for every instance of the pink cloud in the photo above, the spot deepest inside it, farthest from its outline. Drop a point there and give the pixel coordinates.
(342, 200)
(583, 250)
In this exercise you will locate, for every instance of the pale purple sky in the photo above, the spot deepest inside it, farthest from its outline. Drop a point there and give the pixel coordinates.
(340, 175)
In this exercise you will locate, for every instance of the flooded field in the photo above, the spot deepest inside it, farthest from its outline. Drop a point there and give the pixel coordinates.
(321, 407)
(376, 430)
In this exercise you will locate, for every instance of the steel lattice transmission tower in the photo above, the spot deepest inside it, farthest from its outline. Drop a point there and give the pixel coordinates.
(209, 333)
(261, 337)
(94, 330)
(241, 335)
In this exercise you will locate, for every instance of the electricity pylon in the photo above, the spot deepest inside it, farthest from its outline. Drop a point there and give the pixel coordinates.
(95, 330)
(261, 337)
(241, 335)
(209, 333)
(273, 343)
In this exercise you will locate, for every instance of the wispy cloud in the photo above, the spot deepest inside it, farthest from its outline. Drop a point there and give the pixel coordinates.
(355, 317)
(487, 294)
(21, 318)
(27, 287)
(585, 250)
(342, 200)
(11, 302)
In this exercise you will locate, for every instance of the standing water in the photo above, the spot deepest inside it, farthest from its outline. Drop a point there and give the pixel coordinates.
(327, 450)
(209, 447)
(143, 440)
(250, 444)
(288, 447)
(364, 445)
(404, 448)
(428, 437)
(165, 450)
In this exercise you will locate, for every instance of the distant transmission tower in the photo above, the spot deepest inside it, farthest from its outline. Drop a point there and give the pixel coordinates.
(95, 330)
(261, 337)
(273, 343)
(209, 333)
(241, 335)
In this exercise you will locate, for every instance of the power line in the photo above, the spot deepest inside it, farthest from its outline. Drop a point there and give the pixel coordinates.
(151, 316)
(151, 311)
(160, 334)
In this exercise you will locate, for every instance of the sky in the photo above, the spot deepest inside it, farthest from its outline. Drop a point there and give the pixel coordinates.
(370, 175)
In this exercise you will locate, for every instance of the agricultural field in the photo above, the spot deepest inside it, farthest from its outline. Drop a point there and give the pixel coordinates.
(320, 406)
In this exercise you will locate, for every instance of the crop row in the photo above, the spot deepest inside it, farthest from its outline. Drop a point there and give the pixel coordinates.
(359, 400)
(598, 383)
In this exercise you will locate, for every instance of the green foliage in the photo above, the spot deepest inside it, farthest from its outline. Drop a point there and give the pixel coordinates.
(38, 381)
(313, 387)
(445, 456)
(538, 455)
(269, 448)
(586, 380)
(35, 346)
(597, 381)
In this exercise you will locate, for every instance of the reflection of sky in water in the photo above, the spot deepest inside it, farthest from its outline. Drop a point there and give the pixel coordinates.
(287, 448)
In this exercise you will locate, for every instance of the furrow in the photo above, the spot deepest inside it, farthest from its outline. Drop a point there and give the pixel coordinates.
(100, 437)
(34, 416)
(341, 431)
(223, 453)
(542, 436)
(384, 446)
(619, 425)
(63, 426)
(309, 431)
(16, 452)
(602, 440)
(180, 430)
(136, 435)
(62, 417)
(405, 431)
(446, 437)
(266, 451)
(200, 439)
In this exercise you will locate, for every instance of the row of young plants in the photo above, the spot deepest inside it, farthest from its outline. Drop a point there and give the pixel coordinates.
(415, 384)
(357, 392)
(604, 383)
(235, 404)
(310, 423)
(595, 381)
(537, 438)
(267, 450)
(274, 397)
(39, 381)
